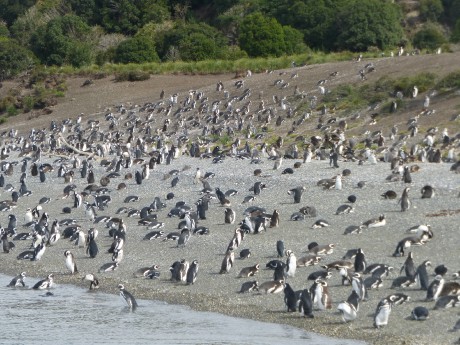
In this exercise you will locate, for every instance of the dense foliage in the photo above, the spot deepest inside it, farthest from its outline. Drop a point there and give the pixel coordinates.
(84, 32)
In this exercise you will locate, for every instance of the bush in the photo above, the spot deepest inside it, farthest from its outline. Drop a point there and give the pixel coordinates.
(455, 37)
(429, 37)
(431, 10)
(197, 47)
(132, 76)
(136, 50)
(14, 59)
(261, 37)
(450, 81)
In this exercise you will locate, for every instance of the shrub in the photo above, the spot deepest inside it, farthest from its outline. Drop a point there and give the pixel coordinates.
(14, 59)
(132, 76)
(136, 50)
(429, 37)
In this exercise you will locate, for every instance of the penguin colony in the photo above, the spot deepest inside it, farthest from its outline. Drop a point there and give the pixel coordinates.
(167, 217)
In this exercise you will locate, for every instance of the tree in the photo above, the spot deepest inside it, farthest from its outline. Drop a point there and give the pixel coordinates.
(456, 32)
(14, 59)
(261, 36)
(64, 40)
(429, 37)
(173, 43)
(431, 10)
(12, 9)
(293, 41)
(136, 50)
(362, 24)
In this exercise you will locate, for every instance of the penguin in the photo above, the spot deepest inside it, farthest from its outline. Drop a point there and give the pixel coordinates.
(94, 282)
(435, 288)
(92, 249)
(404, 201)
(447, 302)
(229, 216)
(42, 175)
(192, 272)
(320, 295)
(18, 281)
(352, 199)
(7, 246)
(360, 261)
(279, 272)
(422, 275)
(353, 229)
(319, 274)
(427, 192)
(44, 283)
(358, 286)
(373, 282)
(39, 251)
(409, 267)
(90, 178)
(344, 209)
(338, 182)
(227, 262)
(272, 286)
(245, 253)
(70, 262)
(376, 222)
(109, 267)
(320, 223)
(382, 313)
(440, 270)
(183, 238)
(420, 314)
(249, 271)
(275, 219)
(280, 248)
(138, 177)
(389, 194)
(290, 298)
(407, 178)
(128, 298)
(291, 263)
(249, 286)
(349, 308)
(306, 304)
(90, 212)
(297, 194)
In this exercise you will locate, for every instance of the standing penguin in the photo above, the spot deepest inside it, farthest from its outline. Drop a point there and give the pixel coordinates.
(290, 298)
(306, 305)
(90, 178)
(360, 261)
(192, 272)
(291, 263)
(227, 262)
(422, 275)
(280, 248)
(70, 262)
(408, 266)
(138, 177)
(407, 178)
(382, 313)
(358, 286)
(128, 298)
(404, 201)
(275, 219)
(435, 288)
(92, 249)
(229, 216)
(42, 175)
(320, 295)
(338, 182)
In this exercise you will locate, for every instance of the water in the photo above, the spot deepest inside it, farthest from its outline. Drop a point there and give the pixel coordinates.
(76, 316)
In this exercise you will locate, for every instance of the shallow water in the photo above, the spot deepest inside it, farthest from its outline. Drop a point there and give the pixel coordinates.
(76, 316)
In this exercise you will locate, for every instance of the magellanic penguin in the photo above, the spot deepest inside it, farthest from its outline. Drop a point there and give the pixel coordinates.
(229, 216)
(360, 261)
(18, 281)
(94, 282)
(249, 286)
(427, 192)
(404, 201)
(272, 286)
(408, 267)
(291, 263)
(420, 314)
(306, 304)
(128, 298)
(45, 283)
(275, 219)
(70, 262)
(422, 275)
(280, 248)
(447, 302)
(320, 295)
(349, 308)
(249, 271)
(290, 298)
(227, 262)
(297, 193)
(192, 272)
(382, 313)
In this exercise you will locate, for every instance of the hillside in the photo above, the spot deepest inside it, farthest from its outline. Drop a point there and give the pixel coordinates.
(104, 94)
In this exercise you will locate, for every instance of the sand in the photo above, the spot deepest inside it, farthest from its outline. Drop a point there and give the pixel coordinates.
(218, 292)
